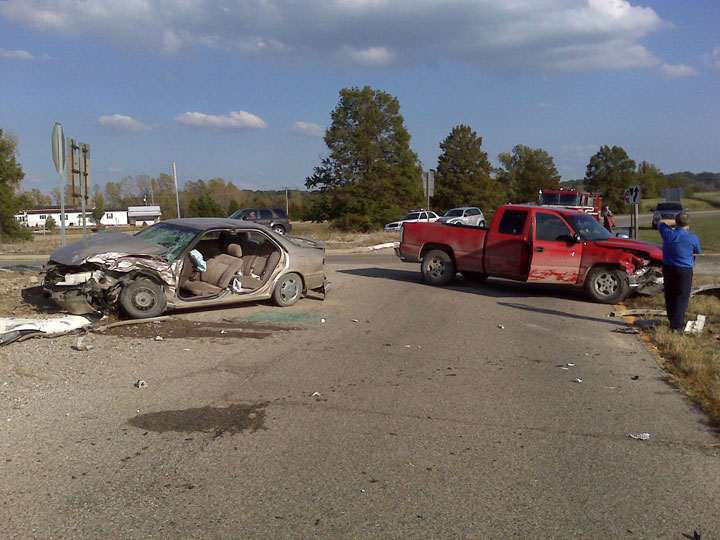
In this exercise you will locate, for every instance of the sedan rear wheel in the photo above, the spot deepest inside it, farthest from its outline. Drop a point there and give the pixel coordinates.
(288, 290)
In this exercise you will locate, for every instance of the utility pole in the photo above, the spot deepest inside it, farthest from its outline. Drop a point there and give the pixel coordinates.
(177, 194)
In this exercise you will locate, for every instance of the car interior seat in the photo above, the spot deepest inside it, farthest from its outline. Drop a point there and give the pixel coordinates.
(220, 271)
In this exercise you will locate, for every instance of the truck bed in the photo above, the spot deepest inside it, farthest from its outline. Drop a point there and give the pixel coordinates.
(465, 242)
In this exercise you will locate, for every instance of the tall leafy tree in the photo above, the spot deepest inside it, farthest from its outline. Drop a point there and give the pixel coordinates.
(650, 179)
(370, 175)
(11, 174)
(463, 174)
(611, 171)
(99, 204)
(525, 171)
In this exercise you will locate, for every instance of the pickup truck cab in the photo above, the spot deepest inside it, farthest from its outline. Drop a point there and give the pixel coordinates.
(536, 244)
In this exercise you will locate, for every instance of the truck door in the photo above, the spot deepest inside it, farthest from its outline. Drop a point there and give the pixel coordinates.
(555, 255)
(507, 247)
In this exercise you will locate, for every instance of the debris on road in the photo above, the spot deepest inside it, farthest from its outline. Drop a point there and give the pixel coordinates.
(629, 312)
(635, 377)
(80, 346)
(640, 436)
(158, 338)
(695, 327)
(19, 329)
(577, 380)
(501, 327)
(354, 320)
(564, 368)
(626, 330)
(570, 364)
(322, 320)
(140, 384)
(712, 288)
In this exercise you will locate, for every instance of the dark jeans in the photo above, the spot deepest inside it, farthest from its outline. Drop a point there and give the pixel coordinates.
(678, 281)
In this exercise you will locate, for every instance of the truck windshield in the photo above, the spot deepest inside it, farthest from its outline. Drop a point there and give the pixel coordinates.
(588, 227)
(570, 199)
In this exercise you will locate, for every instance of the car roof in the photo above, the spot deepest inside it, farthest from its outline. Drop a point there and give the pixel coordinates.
(206, 223)
(463, 208)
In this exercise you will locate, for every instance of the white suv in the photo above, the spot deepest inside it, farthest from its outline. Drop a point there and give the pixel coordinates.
(415, 216)
(464, 215)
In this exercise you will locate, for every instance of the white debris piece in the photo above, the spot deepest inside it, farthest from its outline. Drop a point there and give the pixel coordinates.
(570, 364)
(577, 380)
(695, 327)
(501, 327)
(140, 384)
(354, 320)
(322, 320)
(315, 394)
(640, 436)
(158, 338)
(79, 346)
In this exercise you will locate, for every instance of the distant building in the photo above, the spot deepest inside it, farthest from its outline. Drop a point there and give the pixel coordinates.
(37, 217)
(143, 215)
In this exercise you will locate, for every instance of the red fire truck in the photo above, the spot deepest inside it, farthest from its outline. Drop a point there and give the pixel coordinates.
(590, 203)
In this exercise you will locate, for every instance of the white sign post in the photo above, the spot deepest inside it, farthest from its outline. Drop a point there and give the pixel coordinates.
(429, 185)
(632, 196)
(58, 153)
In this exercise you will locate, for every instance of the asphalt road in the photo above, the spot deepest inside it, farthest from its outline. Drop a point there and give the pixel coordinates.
(410, 412)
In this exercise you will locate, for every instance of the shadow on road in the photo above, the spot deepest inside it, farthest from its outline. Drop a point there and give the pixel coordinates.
(493, 287)
(558, 313)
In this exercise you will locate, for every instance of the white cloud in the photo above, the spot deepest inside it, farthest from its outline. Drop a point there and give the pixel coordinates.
(307, 129)
(678, 71)
(549, 35)
(122, 122)
(16, 55)
(713, 58)
(234, 120)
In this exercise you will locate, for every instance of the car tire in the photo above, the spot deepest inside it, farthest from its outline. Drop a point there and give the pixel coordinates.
(476, 277)
(437, 268)
(278, 229)
(607, 285)
(288, 290)
(142, 299)
(482, 224)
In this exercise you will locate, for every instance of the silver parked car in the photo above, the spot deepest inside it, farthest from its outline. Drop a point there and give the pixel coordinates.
(416, 216)
(189, 262)
(464, 215)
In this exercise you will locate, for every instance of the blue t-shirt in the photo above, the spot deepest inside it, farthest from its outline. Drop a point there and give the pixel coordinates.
(679, 246)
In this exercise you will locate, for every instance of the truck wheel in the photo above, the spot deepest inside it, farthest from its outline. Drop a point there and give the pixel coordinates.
(477, 277)
(437, 268)
(607, 285)
(143, 299)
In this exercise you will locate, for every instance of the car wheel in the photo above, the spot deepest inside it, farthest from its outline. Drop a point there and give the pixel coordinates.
(438, 268)
(482, 224)
(607, 285)
(143, 299)
(476, 277)
(288, 290)
(279, 229)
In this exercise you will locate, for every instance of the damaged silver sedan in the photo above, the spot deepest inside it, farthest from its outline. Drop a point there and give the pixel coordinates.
(178, 263)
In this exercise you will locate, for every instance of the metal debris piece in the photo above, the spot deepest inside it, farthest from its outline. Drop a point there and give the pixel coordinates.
(322, 320)
(158, 338)
(626, 330)
(564, 368)
(640, 436)
(501, 327)
(315, 394)
(635, 377)
(629, 312)
(140, 384)
(79, 346)
(354, 320)
(713, 288)
(577, 380)
(570, 364)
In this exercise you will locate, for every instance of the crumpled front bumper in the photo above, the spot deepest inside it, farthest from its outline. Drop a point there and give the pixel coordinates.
(71, 299)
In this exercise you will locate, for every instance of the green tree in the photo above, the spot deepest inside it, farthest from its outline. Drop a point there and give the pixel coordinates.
(525, 171)
(370, 175)
(202, 203)
(11, 174)
(650, 180)
(99, 210)
(612, 172)
(38, 198)
(463, 174)
(50, 224)
(233, 206)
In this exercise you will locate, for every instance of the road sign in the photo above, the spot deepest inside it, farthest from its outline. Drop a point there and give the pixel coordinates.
(79, 170)
(429, 183)
(58, 148)
(632, 195)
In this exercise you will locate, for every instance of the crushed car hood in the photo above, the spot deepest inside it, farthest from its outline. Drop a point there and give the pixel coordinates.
(653, 250)
(110, 241)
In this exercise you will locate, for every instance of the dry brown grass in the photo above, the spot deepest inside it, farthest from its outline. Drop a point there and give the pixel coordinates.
(693, 362)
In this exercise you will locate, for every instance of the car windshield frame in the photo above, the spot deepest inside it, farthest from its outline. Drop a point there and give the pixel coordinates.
(588, 227)
(168, 235)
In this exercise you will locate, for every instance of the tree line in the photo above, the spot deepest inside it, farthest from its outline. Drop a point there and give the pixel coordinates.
(370, 176)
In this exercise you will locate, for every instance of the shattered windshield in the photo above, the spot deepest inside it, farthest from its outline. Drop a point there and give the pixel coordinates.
(173, 237)
(588, 227)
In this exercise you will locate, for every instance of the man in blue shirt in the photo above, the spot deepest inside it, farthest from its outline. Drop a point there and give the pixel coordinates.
(679, 249)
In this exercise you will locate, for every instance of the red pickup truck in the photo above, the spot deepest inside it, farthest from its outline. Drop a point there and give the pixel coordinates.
(536, 244)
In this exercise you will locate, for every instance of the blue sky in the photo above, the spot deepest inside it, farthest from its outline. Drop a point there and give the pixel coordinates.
(243, 89)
